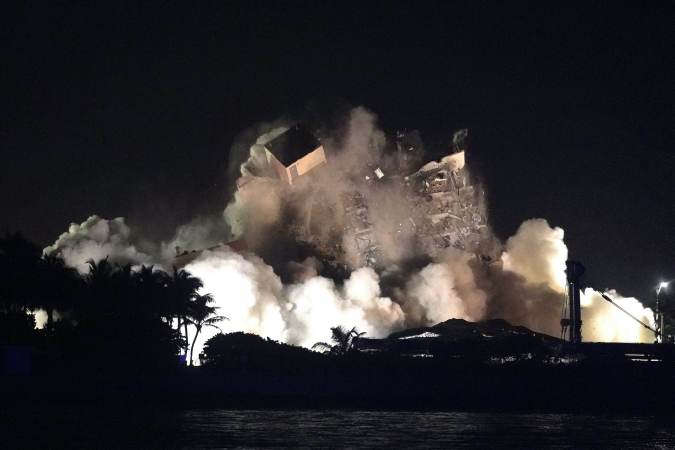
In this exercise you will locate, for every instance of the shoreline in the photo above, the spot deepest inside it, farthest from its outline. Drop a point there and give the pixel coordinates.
(625, 388)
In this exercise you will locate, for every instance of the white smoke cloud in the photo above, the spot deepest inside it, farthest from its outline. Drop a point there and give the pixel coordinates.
(254, 209)
(603, 322)
(538, 253)
(200, 233)
(317, 304)
(40, 318)
(382, 315)
(97, 239)
(252, 296)
(248, 291)
(245, 289)
(445, 290)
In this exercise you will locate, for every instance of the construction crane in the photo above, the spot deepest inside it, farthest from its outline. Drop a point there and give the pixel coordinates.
(572, 308)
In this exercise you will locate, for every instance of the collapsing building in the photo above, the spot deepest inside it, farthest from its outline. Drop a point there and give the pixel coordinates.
(452, 212)
(441, 207)
(345, 222)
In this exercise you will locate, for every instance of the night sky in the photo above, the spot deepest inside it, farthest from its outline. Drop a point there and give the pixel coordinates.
(127, 110)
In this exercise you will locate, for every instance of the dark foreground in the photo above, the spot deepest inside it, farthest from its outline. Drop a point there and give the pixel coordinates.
(77, 426)
(355, 400)
(367, 382)
(462, 370)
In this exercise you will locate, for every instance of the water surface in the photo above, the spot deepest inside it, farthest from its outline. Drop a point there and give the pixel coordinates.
(133, 427)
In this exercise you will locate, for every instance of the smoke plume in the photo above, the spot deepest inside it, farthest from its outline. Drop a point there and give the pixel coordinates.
(96, 239)
(294, 293)
(444, 289)
(538, 253)
(255, 300)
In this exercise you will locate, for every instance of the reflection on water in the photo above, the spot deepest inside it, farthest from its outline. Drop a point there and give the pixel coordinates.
(86, 427)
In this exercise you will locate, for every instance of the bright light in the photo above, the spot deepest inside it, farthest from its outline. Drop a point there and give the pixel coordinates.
(662, 285)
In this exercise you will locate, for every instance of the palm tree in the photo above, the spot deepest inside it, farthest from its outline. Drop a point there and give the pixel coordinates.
(100, 273)
(201, 315)
(150, 288)
(343, 341)
(101, 287)
(183, 288)
(59, 286)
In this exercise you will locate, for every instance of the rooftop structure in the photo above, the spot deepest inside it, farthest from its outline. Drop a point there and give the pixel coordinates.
(294, 153)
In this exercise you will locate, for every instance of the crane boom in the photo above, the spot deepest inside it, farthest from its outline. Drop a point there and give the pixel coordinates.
(656, 333)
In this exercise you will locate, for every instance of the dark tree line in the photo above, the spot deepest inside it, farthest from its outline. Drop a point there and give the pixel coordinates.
(112, 315)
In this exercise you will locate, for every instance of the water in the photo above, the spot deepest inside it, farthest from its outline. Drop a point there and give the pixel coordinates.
(86, 427)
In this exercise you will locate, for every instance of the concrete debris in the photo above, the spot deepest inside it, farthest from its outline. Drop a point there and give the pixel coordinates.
(452, 214)
(446, 210)
(360, 229)
(437, 206)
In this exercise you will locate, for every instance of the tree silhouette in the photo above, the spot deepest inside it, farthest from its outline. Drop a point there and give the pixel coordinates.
(59, 287)
(114, 315)
(344, 341)
(182, 288)
(151, 290)
(123, 317)
(101, 290)
(18, 288)
(201, 314)
(19, 259)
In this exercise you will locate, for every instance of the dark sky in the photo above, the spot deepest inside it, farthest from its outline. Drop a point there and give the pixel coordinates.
(127, 110)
